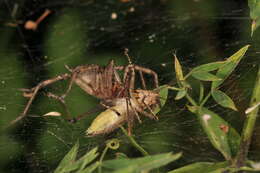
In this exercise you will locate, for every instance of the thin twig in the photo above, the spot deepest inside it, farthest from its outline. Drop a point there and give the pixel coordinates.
(135, 144)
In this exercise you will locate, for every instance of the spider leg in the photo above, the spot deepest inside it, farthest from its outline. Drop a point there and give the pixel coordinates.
(117, 78)
(150, 115)
(140, 109)
(33, 92)
(62, 102)
(142, 79)
(151, 111)
(109, 107)
(68, 114)
(74, 75)
(85, 114)
(135, 112)
(148, 71)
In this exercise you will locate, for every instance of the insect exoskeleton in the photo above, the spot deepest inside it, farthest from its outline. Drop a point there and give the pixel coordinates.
(108, 120)
(123, 110)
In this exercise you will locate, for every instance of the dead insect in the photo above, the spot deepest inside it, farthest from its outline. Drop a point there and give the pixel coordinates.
(125, 111)
(104, 83)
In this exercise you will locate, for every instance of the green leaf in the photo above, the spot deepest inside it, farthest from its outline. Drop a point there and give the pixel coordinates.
(220, 170)
(201, 92)
(222, 99)
(230, 64)
(146, 163)
(178, 69)
(233, 140)
(254, 6)
(68, 159)
(208, 67)
(205, 76)
(87, 158)
(163, 92)
(216, 129)
(69, 163)
(200, 167)
(90, 168)
(181, 94)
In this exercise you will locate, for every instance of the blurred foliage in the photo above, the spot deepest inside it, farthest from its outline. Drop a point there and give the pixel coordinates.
(94, 31)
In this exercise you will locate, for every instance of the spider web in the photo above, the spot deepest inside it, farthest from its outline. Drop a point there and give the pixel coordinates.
(92, 32)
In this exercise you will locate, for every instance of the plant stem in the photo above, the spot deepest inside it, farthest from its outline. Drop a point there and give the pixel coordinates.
(174, 88)
(191, 100)
(135, 144)
(248, 129)
(205, 99)
(101, 159)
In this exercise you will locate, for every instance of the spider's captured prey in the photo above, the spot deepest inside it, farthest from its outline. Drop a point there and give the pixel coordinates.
(126, 110)
(113, 85)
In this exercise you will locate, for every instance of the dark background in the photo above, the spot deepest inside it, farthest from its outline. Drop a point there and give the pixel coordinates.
(82, 32)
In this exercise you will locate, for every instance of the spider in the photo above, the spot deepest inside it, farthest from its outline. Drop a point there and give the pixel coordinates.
(101, 82)
(125, 111)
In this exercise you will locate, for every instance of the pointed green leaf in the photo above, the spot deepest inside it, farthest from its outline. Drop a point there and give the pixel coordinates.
(230, 64)
(181, 94)
(68, 159)
(212, 123)
(83, 161)
(205, 76)
(146, 163)
(87, 158)
(163, 92)
(200, 167)
(216, 129)
(90, 168)
(178, 69)
(208, 67)
(222, 99)
(69, 163)
(230, 133)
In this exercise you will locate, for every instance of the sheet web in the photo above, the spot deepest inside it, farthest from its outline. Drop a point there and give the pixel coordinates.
(93, 32)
